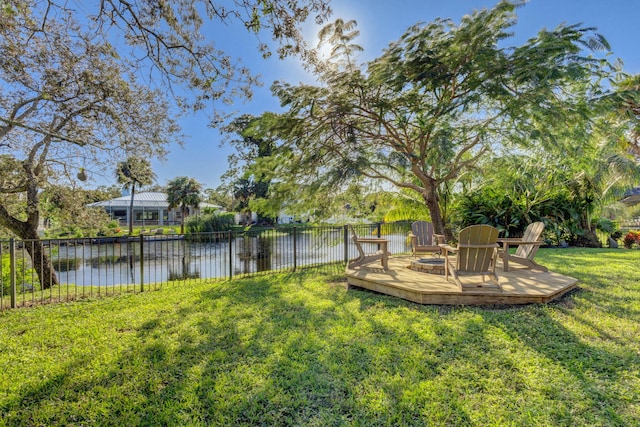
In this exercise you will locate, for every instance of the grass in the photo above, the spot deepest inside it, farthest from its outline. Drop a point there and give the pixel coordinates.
(301, 349)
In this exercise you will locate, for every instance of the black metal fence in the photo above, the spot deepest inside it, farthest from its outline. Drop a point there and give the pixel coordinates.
(94, 267)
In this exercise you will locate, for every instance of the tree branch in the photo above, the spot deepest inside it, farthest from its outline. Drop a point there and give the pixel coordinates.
(15, 123)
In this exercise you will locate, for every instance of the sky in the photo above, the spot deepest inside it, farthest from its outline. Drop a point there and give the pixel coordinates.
(381, 22)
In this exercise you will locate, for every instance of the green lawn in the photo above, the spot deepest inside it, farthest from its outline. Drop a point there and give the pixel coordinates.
(301, 349)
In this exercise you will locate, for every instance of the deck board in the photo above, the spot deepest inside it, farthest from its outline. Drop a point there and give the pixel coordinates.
(520, 285)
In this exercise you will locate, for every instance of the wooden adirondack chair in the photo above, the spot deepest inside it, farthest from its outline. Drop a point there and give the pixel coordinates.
(528, 246)
(381, 254)
(423, 240)
(475, 254)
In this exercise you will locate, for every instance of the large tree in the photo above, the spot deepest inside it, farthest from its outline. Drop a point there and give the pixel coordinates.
(65, 103)
(184, 193)
(432, 105)
(70, 92)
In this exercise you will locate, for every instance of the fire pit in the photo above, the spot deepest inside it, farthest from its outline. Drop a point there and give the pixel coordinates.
(428, 265)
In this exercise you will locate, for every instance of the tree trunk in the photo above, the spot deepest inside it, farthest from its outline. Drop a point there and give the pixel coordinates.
(431, 199)
(184, 212)
(28, 232)
(133, 192)
(41, 263)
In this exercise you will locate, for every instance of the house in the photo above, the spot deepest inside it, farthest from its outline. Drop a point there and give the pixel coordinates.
(149, 208)
(631, 197)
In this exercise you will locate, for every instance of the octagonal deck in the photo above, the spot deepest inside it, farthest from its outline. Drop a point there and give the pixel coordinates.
(520, 285)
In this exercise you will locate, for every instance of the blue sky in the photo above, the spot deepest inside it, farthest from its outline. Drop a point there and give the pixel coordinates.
(381, 22)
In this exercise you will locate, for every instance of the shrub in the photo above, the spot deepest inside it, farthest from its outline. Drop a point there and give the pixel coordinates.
(564, 221)
(26, 278)
(210, 222)
(488, 206)
(113, 225)
(632, 237)
(616, 235)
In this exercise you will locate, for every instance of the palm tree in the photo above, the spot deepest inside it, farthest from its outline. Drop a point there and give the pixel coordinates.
(134, 170)
(184, 192)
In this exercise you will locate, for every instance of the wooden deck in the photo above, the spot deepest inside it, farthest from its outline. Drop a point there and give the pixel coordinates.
(520, 285)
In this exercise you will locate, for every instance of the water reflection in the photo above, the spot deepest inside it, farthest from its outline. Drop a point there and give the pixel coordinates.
(254, 251)
(184, 271)
(164, 259)
(263, 256)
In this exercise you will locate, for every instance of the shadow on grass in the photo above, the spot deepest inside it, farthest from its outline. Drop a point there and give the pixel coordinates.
(567, 366)
(608, 278)
(300, 349)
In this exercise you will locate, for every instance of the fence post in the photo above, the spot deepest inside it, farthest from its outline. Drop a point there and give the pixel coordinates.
(345, 232)
(230, 256)
(295, 258)
(378, 232)
(12, 270)
(141, 263)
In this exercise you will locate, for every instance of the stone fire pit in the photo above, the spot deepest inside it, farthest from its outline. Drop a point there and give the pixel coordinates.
(428, 265)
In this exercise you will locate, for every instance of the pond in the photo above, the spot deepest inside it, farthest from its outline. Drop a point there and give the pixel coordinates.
(166, 258)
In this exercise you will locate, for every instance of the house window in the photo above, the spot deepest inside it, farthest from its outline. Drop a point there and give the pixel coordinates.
(147, 216)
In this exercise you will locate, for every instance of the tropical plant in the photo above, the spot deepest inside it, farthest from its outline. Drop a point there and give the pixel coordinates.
(135, 171)
(567, 177)
(184, 193)
(627, 100)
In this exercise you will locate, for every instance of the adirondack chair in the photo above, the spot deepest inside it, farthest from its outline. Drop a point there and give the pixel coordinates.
(423, 240)
(475, 254)
(528, 246)
(381, 254)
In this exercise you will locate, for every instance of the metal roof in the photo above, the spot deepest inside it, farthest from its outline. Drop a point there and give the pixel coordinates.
(144, 200)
